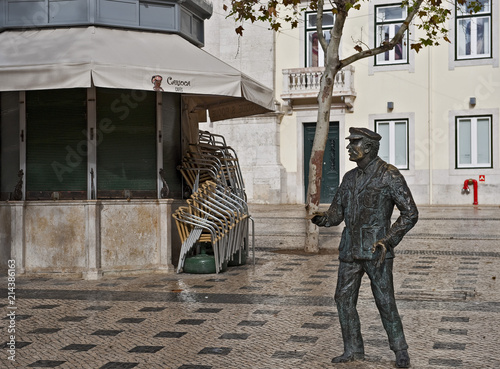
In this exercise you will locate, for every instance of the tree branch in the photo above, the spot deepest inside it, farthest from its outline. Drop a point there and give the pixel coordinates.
(332, 54)
(319, 26)
(386, 45)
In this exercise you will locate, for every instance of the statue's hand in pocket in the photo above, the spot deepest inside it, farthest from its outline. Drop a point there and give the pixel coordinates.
(383, 251)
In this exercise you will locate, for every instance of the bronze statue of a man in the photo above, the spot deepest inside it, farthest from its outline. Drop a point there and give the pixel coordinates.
(365, 201)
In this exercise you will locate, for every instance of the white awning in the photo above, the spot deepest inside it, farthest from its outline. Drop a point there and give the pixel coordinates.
(113, 58)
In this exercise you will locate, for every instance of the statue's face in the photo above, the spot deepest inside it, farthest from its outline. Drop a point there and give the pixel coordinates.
(356, 149)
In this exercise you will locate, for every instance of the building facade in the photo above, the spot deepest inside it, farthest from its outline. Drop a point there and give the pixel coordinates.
(99, 100)
(437, 110)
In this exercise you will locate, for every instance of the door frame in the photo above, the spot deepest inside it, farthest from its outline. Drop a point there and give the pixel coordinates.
(333, 134)
(308, 116)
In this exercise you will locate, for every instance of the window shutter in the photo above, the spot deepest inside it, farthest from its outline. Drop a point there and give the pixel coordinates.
(126, 144)
(483, 141)
(400, 145)
(56, 143)
(9, 143)
(384, 150)
(171, 140)
(464, 141)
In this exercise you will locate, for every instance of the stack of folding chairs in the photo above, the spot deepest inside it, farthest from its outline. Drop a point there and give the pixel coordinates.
(217, 211)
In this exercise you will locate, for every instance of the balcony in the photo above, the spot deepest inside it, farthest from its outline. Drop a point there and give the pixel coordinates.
(301, 86)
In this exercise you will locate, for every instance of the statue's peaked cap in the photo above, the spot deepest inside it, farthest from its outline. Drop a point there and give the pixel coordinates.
(357, 133)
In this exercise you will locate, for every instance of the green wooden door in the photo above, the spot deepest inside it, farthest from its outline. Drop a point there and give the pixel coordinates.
(331, 176)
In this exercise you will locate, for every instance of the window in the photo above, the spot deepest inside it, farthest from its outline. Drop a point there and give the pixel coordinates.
(388, 20)
(473, 31)
(126, 144)
(79, 144)
(56, 144)
(473, 137)
(314, 53)
(394, 142)
(9, 143)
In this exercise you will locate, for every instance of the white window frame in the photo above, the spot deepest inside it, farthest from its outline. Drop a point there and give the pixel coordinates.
(473, 142)
(460, 174)
(392, 142)
(379, 24)
(409, 66)
(461, 14)
(414, 155)
(309, 30)
(494, 59)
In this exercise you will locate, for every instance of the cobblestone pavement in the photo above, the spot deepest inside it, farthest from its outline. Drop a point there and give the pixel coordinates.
(279, 313)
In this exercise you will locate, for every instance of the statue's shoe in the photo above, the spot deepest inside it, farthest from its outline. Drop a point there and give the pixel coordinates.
(402, 359)
(346, 357)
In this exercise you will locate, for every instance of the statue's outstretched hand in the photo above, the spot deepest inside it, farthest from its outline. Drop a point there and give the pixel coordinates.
(383, 250)
(320, 219)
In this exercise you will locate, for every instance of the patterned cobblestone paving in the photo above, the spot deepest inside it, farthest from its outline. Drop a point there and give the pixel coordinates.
(277, 314)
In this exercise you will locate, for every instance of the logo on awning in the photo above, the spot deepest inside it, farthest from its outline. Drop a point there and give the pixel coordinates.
(178, 82)
(156, 81)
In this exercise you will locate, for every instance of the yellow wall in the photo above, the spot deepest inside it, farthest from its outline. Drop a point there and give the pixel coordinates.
(433, 89)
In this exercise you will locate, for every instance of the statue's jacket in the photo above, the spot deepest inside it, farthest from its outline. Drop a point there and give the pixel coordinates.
(365, 201)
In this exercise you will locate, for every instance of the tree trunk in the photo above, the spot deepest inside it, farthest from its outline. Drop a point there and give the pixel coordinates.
(316, 161)
(332, 66)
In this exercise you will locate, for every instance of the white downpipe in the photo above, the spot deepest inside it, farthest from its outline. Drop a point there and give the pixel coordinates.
(429, 121)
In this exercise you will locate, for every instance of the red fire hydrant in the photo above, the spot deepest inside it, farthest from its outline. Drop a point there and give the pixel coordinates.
(466, 189)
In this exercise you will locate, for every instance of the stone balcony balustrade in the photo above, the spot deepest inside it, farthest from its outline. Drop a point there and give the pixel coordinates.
(301, 85)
